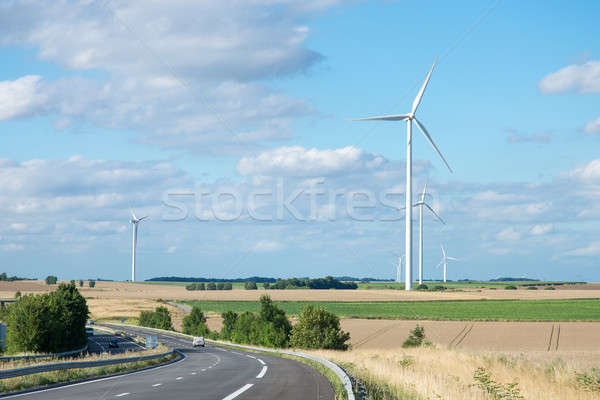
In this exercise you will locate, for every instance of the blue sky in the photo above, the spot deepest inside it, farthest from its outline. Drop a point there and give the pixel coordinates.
(109, 105)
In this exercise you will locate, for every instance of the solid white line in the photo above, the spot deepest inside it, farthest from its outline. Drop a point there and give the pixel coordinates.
(156, 384)
(261, 361)
(248, 355)
(263, 371)
(122, 394)
(238, 392)
(96, 380)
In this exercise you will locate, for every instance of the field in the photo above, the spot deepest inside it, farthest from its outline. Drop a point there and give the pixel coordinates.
(478, 310)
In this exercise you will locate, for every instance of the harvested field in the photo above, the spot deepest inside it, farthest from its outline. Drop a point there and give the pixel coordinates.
(484, 336)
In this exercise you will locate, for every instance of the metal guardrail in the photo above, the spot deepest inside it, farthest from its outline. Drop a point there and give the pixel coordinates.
(49, 355)
(331, 365)
(11, 373)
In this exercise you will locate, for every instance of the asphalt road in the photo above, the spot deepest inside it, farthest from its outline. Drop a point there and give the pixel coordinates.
(98, 343)
(206, 373)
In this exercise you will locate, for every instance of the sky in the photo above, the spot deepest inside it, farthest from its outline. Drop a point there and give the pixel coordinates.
(229, 123)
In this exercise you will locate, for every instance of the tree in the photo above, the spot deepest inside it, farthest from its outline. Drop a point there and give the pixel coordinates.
(160, 318)
(195, 323)
(267, 285)
(211, 286)
(80, 283)
(200, 286)
(220, 286)
(3, 277)
(273, 317)
(72, 282)
(250, 286)
(17, 294)
(416, 338)
(318, 329)
(92, 284)
(51, 280)
(229, 319)
(227, 286)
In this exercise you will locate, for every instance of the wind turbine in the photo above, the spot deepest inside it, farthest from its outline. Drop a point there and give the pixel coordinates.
(409, 118)
(445, 260)
(135, 221)
(399, 270)
(420, 204)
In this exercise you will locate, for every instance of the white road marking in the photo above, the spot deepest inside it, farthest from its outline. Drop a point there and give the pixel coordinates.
(261, 361)
(238, 392)
(263, 371)
(204, 369)
(156, 384)
(122, 394)
(248, 355)
(179, 378)
(193, 373)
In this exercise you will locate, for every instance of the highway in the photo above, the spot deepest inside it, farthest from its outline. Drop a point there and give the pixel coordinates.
(212, 372)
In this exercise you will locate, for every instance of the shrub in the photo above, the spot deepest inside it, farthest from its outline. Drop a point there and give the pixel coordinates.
(422, 287)
(549, 288)
(495, 390)
(416, 338)
(211, 286)
(438, 288)
(229, 319)
(589, 381)
(17, 294)
(51, 280)
(510, 287)
(160, 318)
(227, 286)
(195, 323)
(318, 329)
(80, 283)
(220, 286)
(267, 285)
(532, 288)
(92, 284)
(250, 286)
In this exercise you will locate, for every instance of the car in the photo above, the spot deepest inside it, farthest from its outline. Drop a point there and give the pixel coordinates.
(113, 344)
(198, 342)
(91, 322)
(89, 331)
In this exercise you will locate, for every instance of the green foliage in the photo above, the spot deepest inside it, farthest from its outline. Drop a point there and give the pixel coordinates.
(496, 390)
(549, 288)
(48, 323)
(510, 287)
(5, 278)
(196, 286)
(589, 381)
(416, 337)
(51, 280)
(195, 323)
(220, 286)
(318, 329)
(328, 282)
(92, 284)
(160, 318)
(227, 286)
(532, 288)
(438, 288)
(250, 286)
(229, 319)
(80, 283)
(17, 294)
(422, 287)
(267, 285)
(211, 286)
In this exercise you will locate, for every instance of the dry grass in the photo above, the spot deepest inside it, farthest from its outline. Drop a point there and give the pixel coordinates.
(435, 373)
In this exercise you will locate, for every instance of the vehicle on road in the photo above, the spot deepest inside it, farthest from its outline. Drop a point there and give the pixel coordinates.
(113, 344)
(91, 322)
(89, 331)
(198, 342)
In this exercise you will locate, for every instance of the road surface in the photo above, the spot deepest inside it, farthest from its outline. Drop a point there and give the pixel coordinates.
(213, 373)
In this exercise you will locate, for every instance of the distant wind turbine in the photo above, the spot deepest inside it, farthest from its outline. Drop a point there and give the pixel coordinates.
(399, 270)
(445, 260)
(420, 204)
(135, 221)
(409, 118)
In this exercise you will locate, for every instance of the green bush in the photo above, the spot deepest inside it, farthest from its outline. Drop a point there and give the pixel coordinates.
(250, 286)
(549, 288)
(92, 284)
(510, 287)
(227, 286)
(532, 288)
(17, 294)
(589, 380)
(422, 287)
(160, 318)
(211, 286)
(267, 285)
(48, 323)
(438, 288)
(195, 323)
(80, 283)
(495, 390)
(51, 280)
(318, 329)
(416, 338)
(229, 319)
(220, 286)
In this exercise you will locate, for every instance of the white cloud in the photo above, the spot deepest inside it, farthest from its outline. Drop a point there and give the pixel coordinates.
(589, 172)
(541, 229)
(22, 97)
(508, 234)
(593, 249)
(592, 126)
(584, 78)
(299, 161)
(267, 246)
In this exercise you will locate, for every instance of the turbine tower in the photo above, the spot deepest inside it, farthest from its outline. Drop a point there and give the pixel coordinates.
(445, 260)
(399, 270)
(420, 204)
(135, 221)
(409, 118)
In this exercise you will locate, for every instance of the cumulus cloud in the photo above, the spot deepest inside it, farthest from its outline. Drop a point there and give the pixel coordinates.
(184, 75)
(541, 229)
(508, 234)
(593, 249)
(592, 126)
(300, 161)
(584, 78)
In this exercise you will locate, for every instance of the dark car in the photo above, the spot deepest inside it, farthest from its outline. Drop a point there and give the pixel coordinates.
(113, 344)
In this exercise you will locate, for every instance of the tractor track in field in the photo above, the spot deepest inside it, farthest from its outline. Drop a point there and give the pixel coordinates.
(458, 339)
(554, 340)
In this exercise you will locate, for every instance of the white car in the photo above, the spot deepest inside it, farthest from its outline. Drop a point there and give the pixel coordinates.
(198, 341)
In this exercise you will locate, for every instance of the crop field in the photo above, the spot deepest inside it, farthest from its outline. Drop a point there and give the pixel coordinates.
(486, 310)
(472, 284)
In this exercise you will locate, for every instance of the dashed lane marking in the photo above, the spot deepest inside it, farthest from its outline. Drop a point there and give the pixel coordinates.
(238, 392)
(179, 378)
(122, 394)
(262, 373)
(261, 361)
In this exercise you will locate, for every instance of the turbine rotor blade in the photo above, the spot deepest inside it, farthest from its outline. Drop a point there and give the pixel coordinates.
(417, 100)
(132, 214)
(440, 263)
(144, 217)
(443, 250)
(428, 137)
(452, 258)
(399, 117)
(424, 192)
(434, 213)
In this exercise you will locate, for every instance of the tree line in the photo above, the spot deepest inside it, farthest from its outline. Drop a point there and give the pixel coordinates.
(210, 286)
(328, 282)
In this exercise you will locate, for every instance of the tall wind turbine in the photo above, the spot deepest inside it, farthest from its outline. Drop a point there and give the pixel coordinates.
(420, 204)
(445, 260)
(399, 270)
(135, 221)
(409, 118)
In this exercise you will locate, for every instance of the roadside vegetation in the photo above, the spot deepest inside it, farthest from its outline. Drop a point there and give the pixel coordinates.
(468, 310)
(160, 318)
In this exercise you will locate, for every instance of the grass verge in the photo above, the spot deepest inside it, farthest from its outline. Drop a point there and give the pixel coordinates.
(466, 310)
(20, 383)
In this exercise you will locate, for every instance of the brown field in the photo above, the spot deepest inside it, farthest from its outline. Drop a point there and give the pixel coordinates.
(120, 290)
(440, 373)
